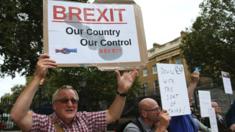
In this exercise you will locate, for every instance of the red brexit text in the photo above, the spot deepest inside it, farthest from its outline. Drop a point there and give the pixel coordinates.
(88, 15)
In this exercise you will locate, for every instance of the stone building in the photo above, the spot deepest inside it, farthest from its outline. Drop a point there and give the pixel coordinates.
(167, 53)
(170, 53)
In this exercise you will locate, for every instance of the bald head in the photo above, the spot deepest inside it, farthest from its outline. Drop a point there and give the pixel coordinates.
(214, 104)
(149, 111)
(147, 103)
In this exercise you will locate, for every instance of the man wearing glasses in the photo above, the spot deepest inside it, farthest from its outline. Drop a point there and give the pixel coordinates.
(64, 103)
(151, 118)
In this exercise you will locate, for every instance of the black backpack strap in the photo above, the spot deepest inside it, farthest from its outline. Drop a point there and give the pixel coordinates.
(137, 123)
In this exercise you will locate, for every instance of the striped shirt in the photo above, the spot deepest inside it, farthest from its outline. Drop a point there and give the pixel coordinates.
(83, 122)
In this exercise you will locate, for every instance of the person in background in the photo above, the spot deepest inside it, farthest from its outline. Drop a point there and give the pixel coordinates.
(151, 118)
(201, 126)
(220, 119)
(186, 123)
(230, 117)
(64, 103)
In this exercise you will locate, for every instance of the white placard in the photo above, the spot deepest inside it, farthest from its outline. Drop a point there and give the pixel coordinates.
(81, 33)
(213, 121)
(205, 103)
(173, 89)
(227, 82)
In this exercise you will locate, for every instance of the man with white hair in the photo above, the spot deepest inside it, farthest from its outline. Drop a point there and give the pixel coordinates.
(220, 119)
(65, 104)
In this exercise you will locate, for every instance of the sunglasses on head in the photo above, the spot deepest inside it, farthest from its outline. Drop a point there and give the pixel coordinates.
(66, 100)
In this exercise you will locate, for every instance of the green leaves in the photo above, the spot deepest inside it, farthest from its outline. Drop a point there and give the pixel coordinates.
(211, 41)
(21, 35)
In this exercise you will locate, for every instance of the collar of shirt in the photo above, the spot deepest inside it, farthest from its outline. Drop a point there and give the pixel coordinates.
(56, 119)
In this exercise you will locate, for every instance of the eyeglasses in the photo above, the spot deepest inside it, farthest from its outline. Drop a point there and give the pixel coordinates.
(66, 100)
(158, 109)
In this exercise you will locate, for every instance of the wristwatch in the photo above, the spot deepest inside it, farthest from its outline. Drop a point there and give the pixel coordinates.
(121, 94)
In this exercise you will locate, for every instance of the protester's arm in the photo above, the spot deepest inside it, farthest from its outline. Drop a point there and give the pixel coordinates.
(124, 82)
(20, 111)
(162, 125)
(193, 84)
(201, 126)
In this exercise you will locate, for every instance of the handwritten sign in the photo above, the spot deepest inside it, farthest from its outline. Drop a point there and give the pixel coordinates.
(205, 103)
(173, 89)
(93, 34)
(227, 82)
(213, 121)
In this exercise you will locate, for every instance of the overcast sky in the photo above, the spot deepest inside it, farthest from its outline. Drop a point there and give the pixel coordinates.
(165, 19)
(163, 22)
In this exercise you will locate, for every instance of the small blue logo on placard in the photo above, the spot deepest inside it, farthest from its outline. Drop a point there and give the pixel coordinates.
(66, 50)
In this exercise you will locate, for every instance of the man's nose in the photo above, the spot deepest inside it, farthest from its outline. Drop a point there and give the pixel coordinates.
(70, 103)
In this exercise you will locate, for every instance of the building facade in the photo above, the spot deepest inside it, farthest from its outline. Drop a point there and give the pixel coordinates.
(169, 53)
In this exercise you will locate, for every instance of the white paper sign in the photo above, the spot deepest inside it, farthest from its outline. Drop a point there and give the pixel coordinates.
(80, 33)
(173, 89)
(213, 121)
(205, 103)
(227, 82)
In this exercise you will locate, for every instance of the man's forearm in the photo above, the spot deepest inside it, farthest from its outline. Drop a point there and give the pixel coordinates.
(191, 89)
(115, 110)
(195, 76)
(23, 102)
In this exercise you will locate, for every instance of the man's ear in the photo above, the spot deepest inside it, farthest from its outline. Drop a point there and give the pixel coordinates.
(144, 114)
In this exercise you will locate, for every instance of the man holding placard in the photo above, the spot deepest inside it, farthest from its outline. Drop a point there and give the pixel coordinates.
(64, 102)
(174, 96)
(151, 118)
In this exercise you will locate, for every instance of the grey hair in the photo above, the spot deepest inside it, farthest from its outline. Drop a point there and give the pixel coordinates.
(64, 87)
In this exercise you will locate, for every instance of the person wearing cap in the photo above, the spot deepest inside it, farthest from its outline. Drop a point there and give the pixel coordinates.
(65, 105)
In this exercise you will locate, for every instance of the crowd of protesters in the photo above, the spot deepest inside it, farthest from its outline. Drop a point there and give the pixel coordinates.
(151, 117)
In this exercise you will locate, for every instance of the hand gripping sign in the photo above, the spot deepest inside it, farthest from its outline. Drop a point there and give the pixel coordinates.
(108, 36)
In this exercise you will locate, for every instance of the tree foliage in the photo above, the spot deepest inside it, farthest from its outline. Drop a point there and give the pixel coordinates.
(210, 43)
(21, 35)
(21, 43)
(95, 87)
(8, 99)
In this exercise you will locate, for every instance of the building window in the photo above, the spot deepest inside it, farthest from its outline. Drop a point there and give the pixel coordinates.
(154, 69)
(178, 60)
(145, 72)
(143, 90)
(156, 87)
(156, 84)
(145, 87)
(164, 61)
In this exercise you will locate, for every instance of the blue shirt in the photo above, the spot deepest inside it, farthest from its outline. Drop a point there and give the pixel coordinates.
(184, 123)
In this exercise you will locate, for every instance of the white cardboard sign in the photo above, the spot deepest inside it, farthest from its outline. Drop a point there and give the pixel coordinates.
(173, 89)
(213, 121)
(89, 34)
(227, 82)
(205, 103)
